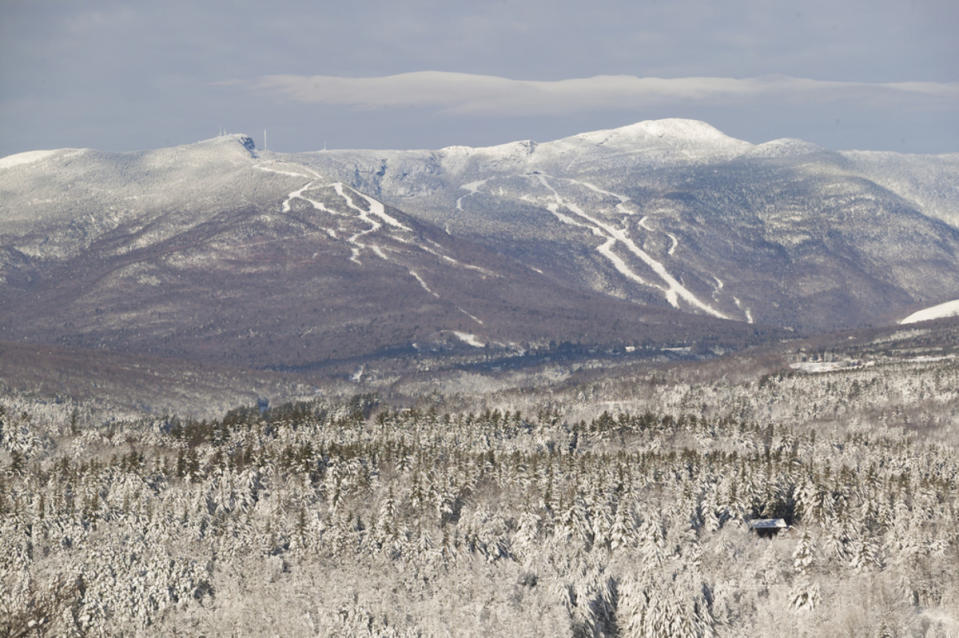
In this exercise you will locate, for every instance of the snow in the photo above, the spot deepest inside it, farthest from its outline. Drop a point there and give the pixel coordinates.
(471, 316)
(422, 283)
(270, 169)
(784, 147)
(375, 215)
(606, 248)
(365, 216)
(455, 262)
(940, 311)
(415, 275)
(745, 309)
(673, 289)
(469, 339)
(377, 208)
(472, 188)
(690, 139)
(297, 194)
(818, 367)
(675, 243)
(28, 157)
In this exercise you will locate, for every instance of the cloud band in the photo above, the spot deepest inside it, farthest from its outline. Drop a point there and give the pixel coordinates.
(463, 93)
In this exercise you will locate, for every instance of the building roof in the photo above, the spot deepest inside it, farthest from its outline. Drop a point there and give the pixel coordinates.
(767, 523)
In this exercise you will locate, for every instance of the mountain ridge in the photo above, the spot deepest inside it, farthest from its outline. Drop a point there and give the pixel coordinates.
(664, 233)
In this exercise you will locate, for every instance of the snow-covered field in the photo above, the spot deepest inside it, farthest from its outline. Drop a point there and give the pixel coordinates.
(940, 311)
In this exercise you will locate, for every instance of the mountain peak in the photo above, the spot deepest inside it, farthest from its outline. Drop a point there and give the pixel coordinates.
(675, 127)
(666, 132)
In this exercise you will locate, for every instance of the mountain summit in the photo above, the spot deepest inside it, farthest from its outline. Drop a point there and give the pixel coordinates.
(667, 131)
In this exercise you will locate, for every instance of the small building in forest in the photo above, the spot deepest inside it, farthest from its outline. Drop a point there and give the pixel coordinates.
(767, 527)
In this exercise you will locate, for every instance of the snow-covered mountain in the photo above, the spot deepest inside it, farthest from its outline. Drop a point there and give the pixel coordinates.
(665, 232)
(784, 232)
(218, 252)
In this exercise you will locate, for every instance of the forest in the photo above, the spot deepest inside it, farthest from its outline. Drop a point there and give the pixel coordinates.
(620, 507)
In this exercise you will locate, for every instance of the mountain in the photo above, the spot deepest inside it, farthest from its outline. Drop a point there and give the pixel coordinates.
(216, 253)
(785, 233)
(651, 239)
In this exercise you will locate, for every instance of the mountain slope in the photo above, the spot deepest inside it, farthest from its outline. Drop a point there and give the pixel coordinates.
(214, 252)
(674, 212)
(664, 233)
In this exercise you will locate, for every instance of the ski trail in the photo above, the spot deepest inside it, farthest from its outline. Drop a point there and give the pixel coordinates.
(455, 262)
(422, 283)
(286, 207)
(746, 311)
(354, 239)
(672, 248)
(605, 248)
(673, 290)
(309, 170)
(432, 292)
(375, 216)
(297, 194)
(472, 188)
(377, 208)
(719, 287)
(474, 318)
(621, 207)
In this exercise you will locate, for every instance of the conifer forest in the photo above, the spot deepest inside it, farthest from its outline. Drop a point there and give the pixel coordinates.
(614, 507)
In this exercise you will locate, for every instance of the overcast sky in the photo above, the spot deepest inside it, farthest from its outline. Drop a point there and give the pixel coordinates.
(882, 74)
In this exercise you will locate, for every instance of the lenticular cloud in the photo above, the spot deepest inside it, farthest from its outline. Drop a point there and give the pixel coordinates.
(466, 93)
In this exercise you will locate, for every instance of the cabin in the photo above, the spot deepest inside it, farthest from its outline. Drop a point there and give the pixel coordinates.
(767, 527)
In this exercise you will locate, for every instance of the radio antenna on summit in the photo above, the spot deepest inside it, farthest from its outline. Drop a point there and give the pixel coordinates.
(264, 139)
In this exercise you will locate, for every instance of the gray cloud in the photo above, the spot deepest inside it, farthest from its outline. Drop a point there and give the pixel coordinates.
(489, 95)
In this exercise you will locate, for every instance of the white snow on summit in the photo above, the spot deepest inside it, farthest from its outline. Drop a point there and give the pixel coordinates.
(785, 147)
(940, 311)
(30, 157)
(670, 131)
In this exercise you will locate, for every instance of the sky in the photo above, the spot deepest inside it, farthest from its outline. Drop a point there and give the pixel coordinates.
(882, 74)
